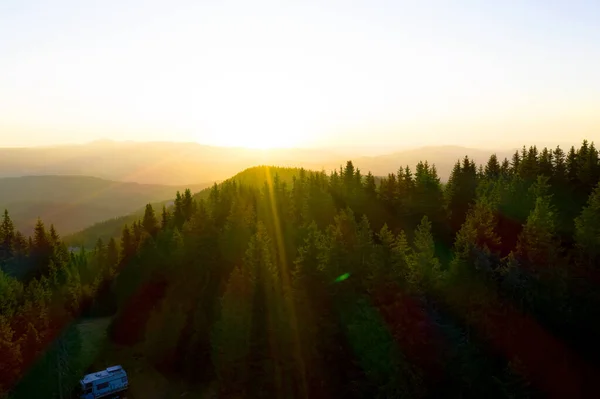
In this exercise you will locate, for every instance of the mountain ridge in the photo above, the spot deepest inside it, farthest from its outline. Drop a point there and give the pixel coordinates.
(173, 163)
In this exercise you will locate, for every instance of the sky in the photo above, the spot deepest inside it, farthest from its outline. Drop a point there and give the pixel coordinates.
(300, 73)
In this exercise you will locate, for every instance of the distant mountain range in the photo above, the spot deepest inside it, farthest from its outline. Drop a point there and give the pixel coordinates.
(52, 182)
(73, 203)
(191, 163)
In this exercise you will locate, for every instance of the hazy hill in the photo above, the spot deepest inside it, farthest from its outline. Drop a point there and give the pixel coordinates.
(109, 228)
(255, 176)
(72, 203)
(153, 162)
(186, 163)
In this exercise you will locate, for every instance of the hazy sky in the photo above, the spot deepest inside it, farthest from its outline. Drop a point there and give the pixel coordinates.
(307, 73)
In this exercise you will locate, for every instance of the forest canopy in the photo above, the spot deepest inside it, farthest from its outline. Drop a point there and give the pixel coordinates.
(297, 283)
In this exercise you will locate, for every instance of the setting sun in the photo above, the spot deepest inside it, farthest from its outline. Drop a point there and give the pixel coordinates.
(265, 75)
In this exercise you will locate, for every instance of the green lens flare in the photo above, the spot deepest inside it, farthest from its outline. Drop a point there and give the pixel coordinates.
(342, 277)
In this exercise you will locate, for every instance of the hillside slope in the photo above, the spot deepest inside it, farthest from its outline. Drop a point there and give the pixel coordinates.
(72, 203)
(112, 228)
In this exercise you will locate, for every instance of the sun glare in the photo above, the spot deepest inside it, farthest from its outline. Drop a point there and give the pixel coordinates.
(256, 137)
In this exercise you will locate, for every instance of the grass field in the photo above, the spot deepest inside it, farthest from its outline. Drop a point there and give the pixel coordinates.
(91, 351)
(94, 339)
(144, 380)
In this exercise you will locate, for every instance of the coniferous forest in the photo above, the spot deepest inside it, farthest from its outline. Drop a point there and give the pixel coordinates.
(306, 284)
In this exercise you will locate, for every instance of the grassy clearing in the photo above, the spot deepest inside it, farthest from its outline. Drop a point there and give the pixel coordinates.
(92, 351)
(144, 380)
(94, 339)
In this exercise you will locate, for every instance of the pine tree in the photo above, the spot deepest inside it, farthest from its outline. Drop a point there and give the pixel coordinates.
(188, 205)
(587, 167)
(150, 222)
(165, 218)
(424, 265)
(390, 263)
(112, 254)
(99, 254)
(179, 216)
(10, 365)
(587, 231)
(516, 162)
(128, 246)
(545, 163)
(388, 190)
(370, 186)
(54, 237)
(428, 199)
(477, 245)
(572, 164)
(460, 191)
(7, 238)
(40, 238)
(21, 251)
(493, 169)
(382, 266)
(538, 244)
(41, 249)
(559, 166)
(505, 168)
(137, 230)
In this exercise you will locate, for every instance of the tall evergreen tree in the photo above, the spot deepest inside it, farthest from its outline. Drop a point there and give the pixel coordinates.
(424, 265)
(572, 164)
(370, 186)
(493, 169)
(538, 242)
(165, 218)
(42, 248)
(11, 357)
(587, 231)
(112, 255)
(460, 191)
(150, 222)
(128, 246)
(545, 163)
(188, 204)
(515, 162)
(7, 238)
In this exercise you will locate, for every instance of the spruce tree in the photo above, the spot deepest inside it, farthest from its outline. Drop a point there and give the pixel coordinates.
(178, 215)
(538, 244)
(587, 231)
(150, 223)
(493, 169)
(7, 238)
(370, 186)
(112, 254)
(424, 266)
(10, 366)
(128, 247)
(165, 218)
